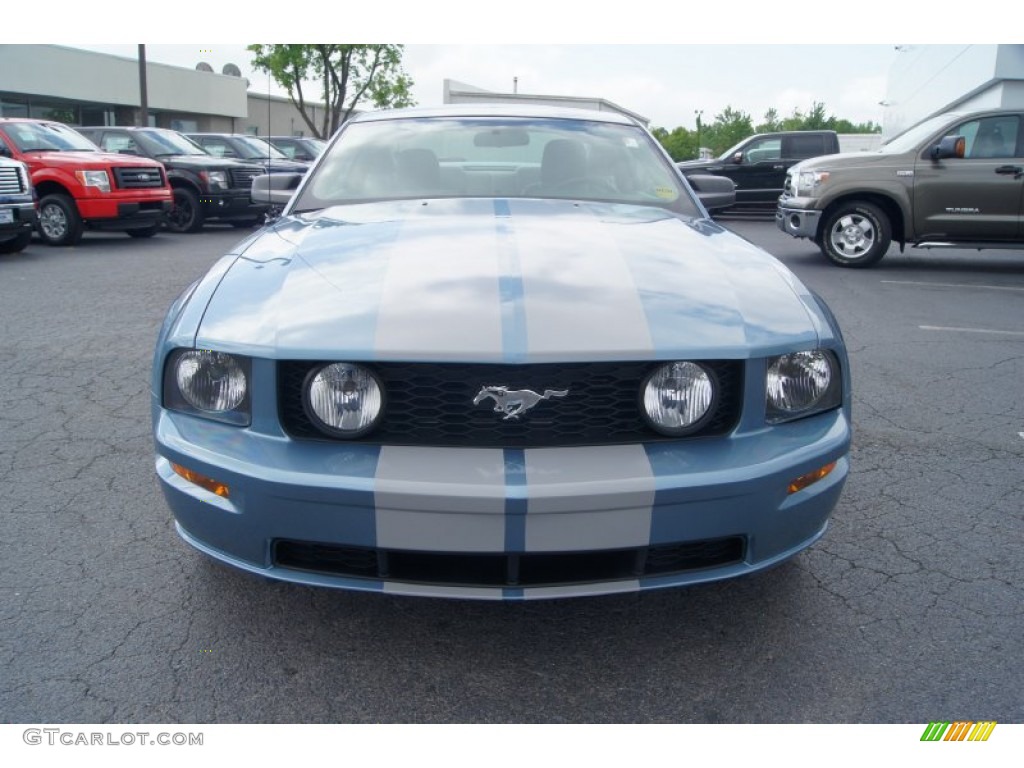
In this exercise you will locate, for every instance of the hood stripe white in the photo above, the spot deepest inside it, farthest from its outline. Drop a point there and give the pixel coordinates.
(455, 314)
(566, 255)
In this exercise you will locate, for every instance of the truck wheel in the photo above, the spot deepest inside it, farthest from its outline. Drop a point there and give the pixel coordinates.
(856, 235)
(186, 214)
(59, 222)
(143, 231)
(17, 243)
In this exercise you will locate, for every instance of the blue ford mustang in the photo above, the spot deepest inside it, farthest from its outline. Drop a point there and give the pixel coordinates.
(499, 354)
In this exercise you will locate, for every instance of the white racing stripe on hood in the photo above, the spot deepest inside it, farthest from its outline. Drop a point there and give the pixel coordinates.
(578, 292)
(440, 299)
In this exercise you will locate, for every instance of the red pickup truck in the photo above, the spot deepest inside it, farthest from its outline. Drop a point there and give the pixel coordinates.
(79, 186)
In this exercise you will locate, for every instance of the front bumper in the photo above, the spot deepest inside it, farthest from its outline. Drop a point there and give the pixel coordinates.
(795, 217)
(461, 522)
(22, 217)
(114, 214)
(233, 204)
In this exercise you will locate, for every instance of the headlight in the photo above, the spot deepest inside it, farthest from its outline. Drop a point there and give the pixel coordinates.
(98, 179)
(802, 383)
(678, 398)
(807, 182)
(210, 384)
(344, 400)
(217, 179)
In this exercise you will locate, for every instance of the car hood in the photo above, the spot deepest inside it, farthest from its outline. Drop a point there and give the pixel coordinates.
(693, 165)
(503, 281)
(205, 162)
(88, 159)
(854, 160)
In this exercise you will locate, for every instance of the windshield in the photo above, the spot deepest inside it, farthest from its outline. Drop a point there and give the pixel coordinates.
(253, 147)
(495, 157)
(162, 142)
(49, 137)
(912, 138)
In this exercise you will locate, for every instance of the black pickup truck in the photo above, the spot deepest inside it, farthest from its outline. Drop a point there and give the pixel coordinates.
(757, 165)
(205, 187)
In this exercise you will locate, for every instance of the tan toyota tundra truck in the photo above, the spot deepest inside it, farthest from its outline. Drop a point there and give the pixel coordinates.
(953, 181)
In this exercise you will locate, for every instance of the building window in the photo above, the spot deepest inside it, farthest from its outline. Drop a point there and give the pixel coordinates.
(61, 113)
(98, 116)
(9, 108)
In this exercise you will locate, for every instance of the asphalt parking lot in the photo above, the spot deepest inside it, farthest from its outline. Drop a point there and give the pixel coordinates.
(908, 610)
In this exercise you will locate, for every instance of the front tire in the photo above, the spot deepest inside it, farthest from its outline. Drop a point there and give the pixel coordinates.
(186, 214)
(59, 222)
(17, 243)
(856, 235)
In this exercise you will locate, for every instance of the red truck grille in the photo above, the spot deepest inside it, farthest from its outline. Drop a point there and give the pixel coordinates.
(139, 178)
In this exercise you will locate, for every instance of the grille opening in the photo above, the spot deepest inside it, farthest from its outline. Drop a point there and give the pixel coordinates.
(507, 569)
(431, 404)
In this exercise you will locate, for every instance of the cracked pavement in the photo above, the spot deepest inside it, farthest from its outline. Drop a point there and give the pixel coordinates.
(908, 610)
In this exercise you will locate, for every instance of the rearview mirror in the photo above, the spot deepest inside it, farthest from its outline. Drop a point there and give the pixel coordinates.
(274, 188)
(714, 192)
(502, 137)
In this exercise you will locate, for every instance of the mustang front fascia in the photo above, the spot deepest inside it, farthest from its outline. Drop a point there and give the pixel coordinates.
(509, 522)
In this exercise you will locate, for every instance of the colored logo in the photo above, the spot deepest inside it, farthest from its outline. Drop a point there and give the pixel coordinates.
(961, 730)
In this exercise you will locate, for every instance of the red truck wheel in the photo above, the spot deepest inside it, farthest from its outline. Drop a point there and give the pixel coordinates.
(59, 222)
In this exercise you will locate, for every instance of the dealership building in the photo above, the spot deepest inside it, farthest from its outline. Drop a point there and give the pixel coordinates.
(926, 80)
(82, 87)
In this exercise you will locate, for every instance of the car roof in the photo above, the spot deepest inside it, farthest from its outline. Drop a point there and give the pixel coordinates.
(496, 110)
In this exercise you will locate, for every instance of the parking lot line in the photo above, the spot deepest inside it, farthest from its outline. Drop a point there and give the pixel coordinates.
(969, 330)
(955, 285)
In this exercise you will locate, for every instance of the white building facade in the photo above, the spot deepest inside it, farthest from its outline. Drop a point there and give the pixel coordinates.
(927, 80)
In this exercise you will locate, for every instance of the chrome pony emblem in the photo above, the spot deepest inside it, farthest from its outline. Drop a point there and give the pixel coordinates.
(515, 401)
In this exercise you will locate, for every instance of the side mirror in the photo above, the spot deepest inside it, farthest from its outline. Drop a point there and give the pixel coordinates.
(714, 192)
(5, 151)
(274, 188)
(949, 146)
(737, 158)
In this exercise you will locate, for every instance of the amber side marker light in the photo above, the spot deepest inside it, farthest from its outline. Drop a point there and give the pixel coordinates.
(811, 477)
(201, 480)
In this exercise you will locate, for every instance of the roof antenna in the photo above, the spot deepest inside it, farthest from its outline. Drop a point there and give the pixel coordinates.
(515, 84)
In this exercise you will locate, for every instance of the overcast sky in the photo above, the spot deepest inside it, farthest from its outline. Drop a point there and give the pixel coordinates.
(666, 72)
(665, 83)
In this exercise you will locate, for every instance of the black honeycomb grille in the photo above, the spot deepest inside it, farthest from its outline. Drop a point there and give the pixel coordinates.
(432, 404)
(507, 569)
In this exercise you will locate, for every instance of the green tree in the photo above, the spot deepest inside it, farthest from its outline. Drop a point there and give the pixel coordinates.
(346, 76)
(680, 143)
(771, 122)
(730, 127)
